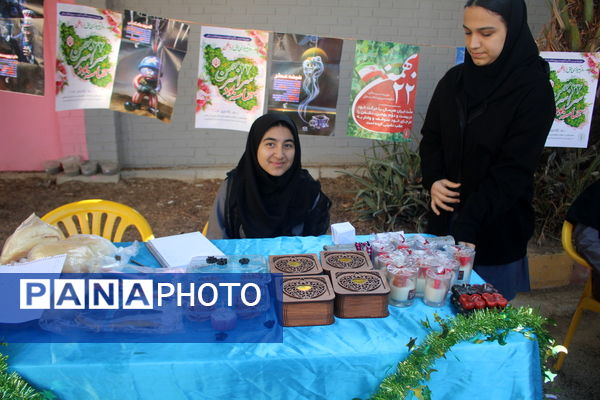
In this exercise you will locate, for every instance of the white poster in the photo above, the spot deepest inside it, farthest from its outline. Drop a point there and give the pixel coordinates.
(88, 41)
(574, 78)
(232, 75)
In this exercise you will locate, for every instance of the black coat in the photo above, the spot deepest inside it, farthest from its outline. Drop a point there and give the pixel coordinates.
(492, 150)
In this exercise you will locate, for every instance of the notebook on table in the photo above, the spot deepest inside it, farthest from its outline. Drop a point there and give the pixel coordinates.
(176, 251)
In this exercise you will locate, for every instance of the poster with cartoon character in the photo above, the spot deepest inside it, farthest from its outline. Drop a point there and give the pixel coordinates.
(304, 80)
(383, 91)
(22, 46)
(88, 42)
(150, 57)
(231, 78)
(574, 78)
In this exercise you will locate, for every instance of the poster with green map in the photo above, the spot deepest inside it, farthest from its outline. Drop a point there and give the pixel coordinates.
(86, 56)
(574, 78)
(231, 78)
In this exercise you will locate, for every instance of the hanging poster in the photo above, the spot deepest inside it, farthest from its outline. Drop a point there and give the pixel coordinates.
(150, 57)
(304, 80)
(22, 46)
(383, 91)
(574, 77)
(88, 42)
(231, 78)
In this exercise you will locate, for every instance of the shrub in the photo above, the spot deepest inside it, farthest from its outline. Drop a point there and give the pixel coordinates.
(389, 188)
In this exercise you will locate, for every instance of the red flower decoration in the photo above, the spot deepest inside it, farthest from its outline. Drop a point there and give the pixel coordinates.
(61, 76)
(202, 96)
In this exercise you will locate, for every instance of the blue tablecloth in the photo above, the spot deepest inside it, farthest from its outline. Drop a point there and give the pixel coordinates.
(341, 361)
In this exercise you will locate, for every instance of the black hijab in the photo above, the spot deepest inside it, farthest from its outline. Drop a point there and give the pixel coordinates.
(518, 61)
(265, 205)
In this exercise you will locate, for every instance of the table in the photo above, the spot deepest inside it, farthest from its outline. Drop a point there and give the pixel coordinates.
(341, 361)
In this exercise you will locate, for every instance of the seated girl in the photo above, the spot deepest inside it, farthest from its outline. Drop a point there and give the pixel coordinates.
(584, 214)
(268, 194)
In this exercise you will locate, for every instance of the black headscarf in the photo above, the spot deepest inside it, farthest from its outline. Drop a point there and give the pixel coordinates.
(518, 61)
(265, 205)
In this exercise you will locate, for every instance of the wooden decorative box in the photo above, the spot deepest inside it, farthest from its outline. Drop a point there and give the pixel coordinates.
(332, 261)
(360, 294)
(295, 264)
(307, 300)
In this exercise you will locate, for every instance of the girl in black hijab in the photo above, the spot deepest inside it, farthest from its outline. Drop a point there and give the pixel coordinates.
(482, 137)
(584, 214)
(268, 194)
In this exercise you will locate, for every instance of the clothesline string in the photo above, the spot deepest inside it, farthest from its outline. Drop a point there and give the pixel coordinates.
(337, 37)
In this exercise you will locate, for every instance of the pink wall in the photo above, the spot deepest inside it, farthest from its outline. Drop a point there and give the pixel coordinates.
(30, 130)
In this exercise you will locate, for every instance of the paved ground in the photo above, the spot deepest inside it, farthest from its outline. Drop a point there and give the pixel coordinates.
(579, 376)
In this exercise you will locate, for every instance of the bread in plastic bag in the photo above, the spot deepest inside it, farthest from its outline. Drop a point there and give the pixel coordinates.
(31, 232)
(85, 253)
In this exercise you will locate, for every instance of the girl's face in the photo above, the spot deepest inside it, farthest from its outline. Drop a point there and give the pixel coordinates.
(485, 33)
(276, 151)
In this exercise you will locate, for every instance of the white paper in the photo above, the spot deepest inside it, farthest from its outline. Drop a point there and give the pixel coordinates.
(178, 250)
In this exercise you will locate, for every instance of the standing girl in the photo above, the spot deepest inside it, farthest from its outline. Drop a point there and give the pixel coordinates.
(483, 134)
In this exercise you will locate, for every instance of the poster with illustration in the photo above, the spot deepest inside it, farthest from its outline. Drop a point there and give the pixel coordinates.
(22, 46)
(87, 47)
(574, 78)
(383, 91)
(150, 57)
(231, 78)
(304, 80)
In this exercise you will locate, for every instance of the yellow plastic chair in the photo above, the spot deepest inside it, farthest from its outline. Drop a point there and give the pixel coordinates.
(587, 301)
(99, 217)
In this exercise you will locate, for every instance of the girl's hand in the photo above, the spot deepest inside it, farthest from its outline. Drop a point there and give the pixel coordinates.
(442, 195)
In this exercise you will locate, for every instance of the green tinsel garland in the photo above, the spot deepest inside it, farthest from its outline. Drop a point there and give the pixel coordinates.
(480, 326)
(13, 387)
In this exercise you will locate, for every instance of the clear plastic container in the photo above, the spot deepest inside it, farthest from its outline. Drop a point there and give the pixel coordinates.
(437, 286)
(465, 257)
(403, 284)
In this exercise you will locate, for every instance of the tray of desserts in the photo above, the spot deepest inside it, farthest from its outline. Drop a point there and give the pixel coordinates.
(466, 298)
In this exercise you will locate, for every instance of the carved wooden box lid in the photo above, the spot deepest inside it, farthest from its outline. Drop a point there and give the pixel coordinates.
(295, 264)
(307, 288)
(359, 283)
(345, 261)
